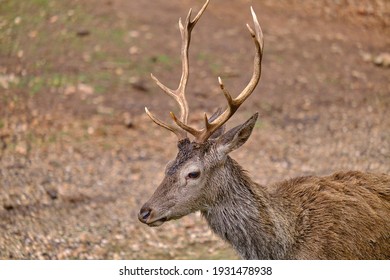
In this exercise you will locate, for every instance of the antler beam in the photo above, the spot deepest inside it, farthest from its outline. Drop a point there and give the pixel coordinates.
(233, 104)
(201, 135)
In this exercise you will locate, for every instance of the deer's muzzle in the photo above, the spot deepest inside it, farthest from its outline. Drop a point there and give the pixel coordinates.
(147, 216)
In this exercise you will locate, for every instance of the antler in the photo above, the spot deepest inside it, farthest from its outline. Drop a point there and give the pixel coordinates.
(179, 94)
(202, 135)
(233, 104)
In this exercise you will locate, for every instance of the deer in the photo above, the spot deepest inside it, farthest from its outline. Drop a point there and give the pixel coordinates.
(345, 215)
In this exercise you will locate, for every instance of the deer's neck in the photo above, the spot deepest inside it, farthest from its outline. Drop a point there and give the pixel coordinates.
(243, 215)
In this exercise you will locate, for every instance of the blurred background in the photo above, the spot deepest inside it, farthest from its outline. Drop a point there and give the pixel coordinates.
(79, 157)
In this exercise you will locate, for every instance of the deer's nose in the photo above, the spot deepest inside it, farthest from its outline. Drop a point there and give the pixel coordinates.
(144, 214)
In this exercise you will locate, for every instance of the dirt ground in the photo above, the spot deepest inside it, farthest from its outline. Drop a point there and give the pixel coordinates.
(78, 155)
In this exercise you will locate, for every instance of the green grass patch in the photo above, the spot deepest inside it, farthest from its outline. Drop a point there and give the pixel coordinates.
(60, 44)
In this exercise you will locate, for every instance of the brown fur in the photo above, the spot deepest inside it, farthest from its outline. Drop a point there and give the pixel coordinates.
(342, 216)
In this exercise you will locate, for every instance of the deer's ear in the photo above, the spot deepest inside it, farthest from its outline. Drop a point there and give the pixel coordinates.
(236, 137)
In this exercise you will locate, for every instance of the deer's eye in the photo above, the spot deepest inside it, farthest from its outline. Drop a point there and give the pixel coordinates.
(193, 175)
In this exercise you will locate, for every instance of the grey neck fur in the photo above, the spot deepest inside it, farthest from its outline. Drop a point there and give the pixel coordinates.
(239, 206)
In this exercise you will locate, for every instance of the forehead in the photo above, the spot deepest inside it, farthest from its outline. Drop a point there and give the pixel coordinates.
(187, 150)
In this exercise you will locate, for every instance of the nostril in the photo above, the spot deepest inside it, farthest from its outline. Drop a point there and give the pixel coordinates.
(144, 214)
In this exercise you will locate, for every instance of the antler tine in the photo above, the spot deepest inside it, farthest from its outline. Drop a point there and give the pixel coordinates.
(179, 94)
(179, 133)
(233, 104)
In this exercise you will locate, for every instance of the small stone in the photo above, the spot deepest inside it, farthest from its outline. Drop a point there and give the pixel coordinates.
(8, 206)
(336, 49)
(21, 148)
(104, 110)
(382, 60)
(87, 57)
(17, 20)
(367, 57)
(134, 34)
(70, 90)
(119, 71)
(32, 34)
(358, 75)
(53, 19)
(84, 88)
(52, 193)
(20, 53)
(138, 84)
(133, 50)
(83, 33)
(128, 120)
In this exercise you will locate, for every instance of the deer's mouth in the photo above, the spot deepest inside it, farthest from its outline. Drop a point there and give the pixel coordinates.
(149, 217)
(157, 223)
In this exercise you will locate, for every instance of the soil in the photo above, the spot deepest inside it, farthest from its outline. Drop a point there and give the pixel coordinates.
(79, 157)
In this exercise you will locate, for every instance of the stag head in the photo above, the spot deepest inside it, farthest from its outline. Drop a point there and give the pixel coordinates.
(190, 179)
